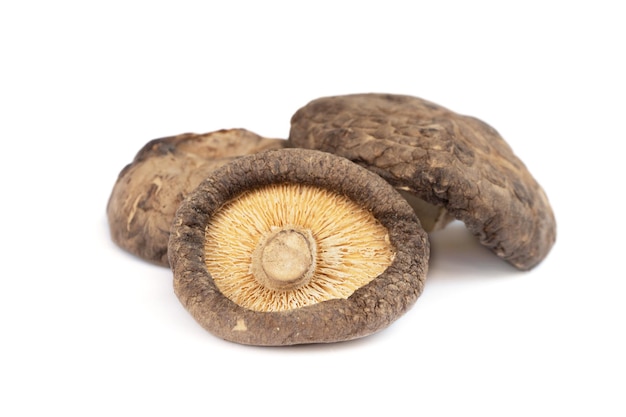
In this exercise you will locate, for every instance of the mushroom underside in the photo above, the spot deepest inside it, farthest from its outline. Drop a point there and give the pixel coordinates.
(359, 285)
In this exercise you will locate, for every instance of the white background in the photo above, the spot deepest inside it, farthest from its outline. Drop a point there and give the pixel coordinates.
(89, 330)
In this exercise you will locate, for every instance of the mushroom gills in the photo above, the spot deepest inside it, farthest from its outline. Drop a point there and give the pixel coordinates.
(286, 246)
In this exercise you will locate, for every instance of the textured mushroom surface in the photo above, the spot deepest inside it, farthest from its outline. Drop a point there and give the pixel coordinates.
(299, 245)
(149, 190)
(441, 157)
(296, 246)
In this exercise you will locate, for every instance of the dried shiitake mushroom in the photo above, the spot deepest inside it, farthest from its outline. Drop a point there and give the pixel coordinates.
(441, 157)
(149, 190)
(296, 246)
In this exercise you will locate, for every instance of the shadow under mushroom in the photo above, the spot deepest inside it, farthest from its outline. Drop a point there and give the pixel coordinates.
(455, 252)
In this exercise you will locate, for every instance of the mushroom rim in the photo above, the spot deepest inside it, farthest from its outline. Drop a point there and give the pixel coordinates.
(362, 313)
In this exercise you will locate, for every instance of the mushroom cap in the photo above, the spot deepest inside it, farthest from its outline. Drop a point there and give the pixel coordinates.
(369, 308)
(442, 157)
(149, 190)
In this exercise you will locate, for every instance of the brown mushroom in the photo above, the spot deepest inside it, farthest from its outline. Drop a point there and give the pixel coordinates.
(149, 190)
(296, 246)
(444, 158)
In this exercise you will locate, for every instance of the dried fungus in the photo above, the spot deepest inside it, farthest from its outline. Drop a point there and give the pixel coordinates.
(149, 190)
(440, 158)
(296, 246)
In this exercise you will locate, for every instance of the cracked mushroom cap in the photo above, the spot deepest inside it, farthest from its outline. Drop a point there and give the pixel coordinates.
(441, 157)
(149, 190)
(296, 246)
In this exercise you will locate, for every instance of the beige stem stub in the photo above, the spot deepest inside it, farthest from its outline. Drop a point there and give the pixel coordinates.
(284, 259)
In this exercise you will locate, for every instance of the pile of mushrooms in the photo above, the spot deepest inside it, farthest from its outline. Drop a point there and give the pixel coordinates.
(323, 237)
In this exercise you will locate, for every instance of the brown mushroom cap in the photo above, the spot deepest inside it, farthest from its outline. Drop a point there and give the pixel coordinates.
(300, 237)
(149, 190)
(442, 157)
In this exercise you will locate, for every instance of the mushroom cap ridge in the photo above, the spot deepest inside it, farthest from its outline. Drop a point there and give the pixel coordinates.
(369, 309)
(442, 157)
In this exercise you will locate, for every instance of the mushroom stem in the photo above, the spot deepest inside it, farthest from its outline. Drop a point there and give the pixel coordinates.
(284, 259)
(431, 217)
